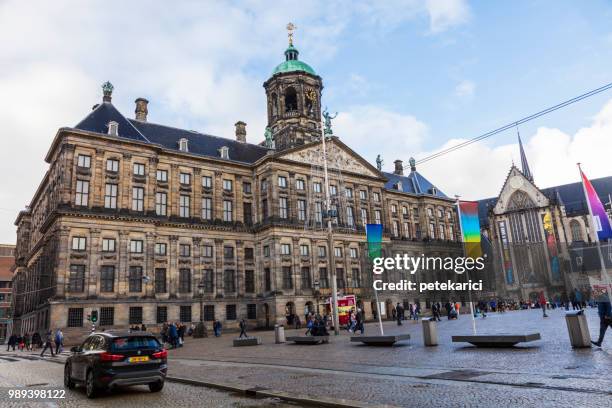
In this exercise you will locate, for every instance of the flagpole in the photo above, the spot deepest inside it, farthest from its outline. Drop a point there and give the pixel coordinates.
(467, 273)
(595, 235)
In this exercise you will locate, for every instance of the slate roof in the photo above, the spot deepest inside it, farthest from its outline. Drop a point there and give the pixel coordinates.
(571, 196)
(413, 183)
(168, 137)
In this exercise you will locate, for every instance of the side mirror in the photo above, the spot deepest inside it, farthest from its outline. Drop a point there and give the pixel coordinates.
(75, 349)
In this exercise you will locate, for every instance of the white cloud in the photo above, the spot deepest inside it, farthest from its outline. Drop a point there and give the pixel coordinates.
(478, 171)
(444, 14)
(465, 89)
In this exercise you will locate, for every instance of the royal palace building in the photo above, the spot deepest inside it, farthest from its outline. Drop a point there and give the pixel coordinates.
(147, 223)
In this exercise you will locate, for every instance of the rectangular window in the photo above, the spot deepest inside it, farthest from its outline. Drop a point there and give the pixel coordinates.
(79, 243)
(230, 312)
(350, 217)
(376, 196)
(442, 234)
(228, 252)
(208, 281)
(161, 204)
(110, 196)
(207, 181)
(135, 316)
(184, 280)
(432, 230)
(322, 252)
(306, 282)
(451, 233)
(229, 281)
(248, 254)
(267, 279)
(77, 278)
(135, 279)
(161, 314)
(136, 246)
(75, 317)
(353, 253)
(227, 185)
(248, 213)
(318, 212)
(349, 192)
(440, 213)
(338, 252)
(139, 169)
(107, 316)
(364, 217)
(301, 210)
(316, 187)
(363, 194)
(138, 199)
(185, 178)
(264, 209)
(161, 249)
(185, 314)
(333, 190)
(228, 215)
(356, 278)
(404, 211)
(393, 209)
(406, 230)
(287, 278)
(207, 208)
(283, 207)
(107, 278)
(429, 212)
(184, 206)
(112, 165)
(323, 278)
(184, 250)
(84, 161)
(395, 229)
(162, 175)
(340, 282)
(377, 216)
(108, 245)
(304, 250)
(207, 251)
(285, 249)
(251, 311)
(282, 181)
(160, 280)
(266, 251)
(82, 193)
(249, 281)
(246, 187)
(299, 184)
(209, 313)
(264, 185)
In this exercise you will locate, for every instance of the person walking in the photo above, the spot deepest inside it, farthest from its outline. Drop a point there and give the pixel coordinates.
(359, 319)
(11, 342)
(398, 314)
(542, 302)
(28, 341)
(243, 327)
(604, 310)
(217, 326)
(309, 325)
(59, 341)
(48, 344)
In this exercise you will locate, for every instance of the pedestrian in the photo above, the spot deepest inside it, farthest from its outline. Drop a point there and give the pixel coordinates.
(217, 328)
(11, 342)
(604, 310)
(398, 314)
(243, 327)
(181, 334)
(173, 335)
(48, 344)
(143, 328)
(28, 341)
(59, 341)
(359, 320)
(297, 322)
(542, 302)
(457, 308)
(309, 325)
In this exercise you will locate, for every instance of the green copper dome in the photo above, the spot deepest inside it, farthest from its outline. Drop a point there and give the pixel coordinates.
(292, 63)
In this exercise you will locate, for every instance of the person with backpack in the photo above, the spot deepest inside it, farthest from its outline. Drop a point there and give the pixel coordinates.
(48, 344)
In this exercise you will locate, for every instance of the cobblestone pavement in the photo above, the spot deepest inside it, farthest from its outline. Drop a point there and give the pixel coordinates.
(34, 373)
(543, 373)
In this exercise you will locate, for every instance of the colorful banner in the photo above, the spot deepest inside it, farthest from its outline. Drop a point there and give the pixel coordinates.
(345, 304)
(470, 228)
(551, 243)
(600, 218)
(374, 238)
(506, 256)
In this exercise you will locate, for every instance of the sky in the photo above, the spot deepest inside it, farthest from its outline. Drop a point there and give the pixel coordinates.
(407, 78)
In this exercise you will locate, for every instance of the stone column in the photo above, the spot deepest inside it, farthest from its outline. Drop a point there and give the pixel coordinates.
(173, 191)
(123, 253)
(149, 205)
(196, 187)
(218, 268)
(240, 269)
(295, 266)
(173, 267)
(197, 275)
(149, 262)
(126, 182)
(66, 188)
(238, 201)
(63, 266)
(97, 179)
(93, 269)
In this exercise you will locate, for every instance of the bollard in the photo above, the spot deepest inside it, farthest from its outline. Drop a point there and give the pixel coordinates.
(430, 332)
(279, 334)
(578, 329)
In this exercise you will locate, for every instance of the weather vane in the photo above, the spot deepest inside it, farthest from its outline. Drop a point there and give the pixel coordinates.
(291, 28)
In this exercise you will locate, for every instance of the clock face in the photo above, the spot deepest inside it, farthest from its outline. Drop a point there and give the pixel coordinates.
(516, 182)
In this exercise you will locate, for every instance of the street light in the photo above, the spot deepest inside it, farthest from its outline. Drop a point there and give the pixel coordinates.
(201, 295)
(317, 292)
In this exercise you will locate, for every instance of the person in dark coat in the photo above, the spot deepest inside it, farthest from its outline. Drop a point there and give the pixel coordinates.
(604, 309)
(243, 327)
(398, 314)
(12, 341)
(48, 344)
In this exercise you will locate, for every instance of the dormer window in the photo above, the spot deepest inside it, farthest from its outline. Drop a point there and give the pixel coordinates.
(113, 128)
(399, 186)
(224, 152)
(433, 191)
(184, 145)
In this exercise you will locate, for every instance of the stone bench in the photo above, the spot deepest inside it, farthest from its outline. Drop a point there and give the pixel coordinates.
(247, 341)
(387, 341)
(496, 340)
(308, 339)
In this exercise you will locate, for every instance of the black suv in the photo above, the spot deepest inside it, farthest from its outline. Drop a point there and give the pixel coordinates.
(110, 359)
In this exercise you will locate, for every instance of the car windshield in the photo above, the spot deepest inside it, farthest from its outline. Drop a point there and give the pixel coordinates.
(134, 343)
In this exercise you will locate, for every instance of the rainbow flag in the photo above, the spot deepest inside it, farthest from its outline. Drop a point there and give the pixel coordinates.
(374, 237)
(598, 213)
(470, 228)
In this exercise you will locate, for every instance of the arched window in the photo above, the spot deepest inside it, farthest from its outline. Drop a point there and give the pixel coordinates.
(290, 100)
(576, 229)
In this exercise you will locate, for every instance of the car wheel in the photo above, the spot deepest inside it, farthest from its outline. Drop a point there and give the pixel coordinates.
(156, 386)
(68, 383)
(90, 386)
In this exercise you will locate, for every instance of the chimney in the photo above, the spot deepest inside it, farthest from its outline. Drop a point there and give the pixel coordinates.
(141, 109)
(399, 167)
(241, 131)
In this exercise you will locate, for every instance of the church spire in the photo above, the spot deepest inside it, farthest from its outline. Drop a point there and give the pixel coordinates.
(524, 163)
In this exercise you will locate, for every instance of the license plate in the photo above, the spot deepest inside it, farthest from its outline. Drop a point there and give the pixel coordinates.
(138, 359)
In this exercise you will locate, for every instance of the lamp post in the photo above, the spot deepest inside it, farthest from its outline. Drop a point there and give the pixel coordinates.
(201, 296)
(317, 292)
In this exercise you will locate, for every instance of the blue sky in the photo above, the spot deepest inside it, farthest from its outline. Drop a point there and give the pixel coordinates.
(408, 77)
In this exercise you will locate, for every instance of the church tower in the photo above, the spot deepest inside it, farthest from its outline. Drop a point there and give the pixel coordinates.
(294, 100)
